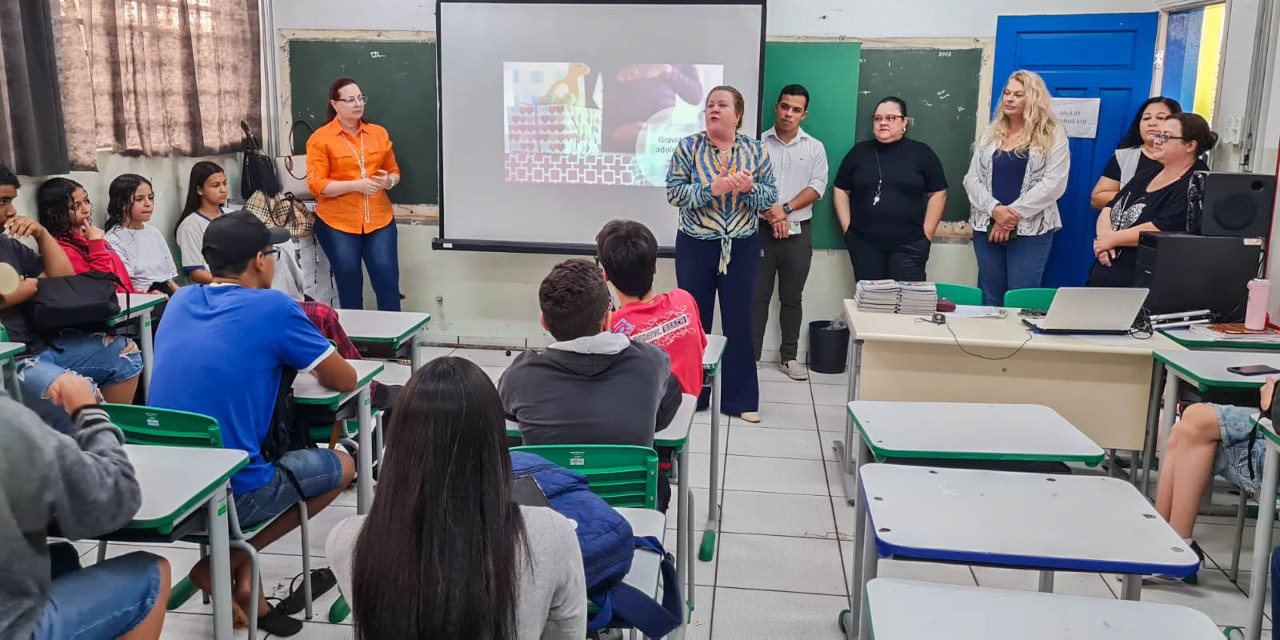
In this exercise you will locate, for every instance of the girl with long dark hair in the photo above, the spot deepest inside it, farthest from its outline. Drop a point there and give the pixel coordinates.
(445, 553)
(65, 211)
(1136, 151)
(350, 168)
(206, 193)
(143, 249)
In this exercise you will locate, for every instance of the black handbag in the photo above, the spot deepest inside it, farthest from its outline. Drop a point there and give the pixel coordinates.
(84, 301)
(257, 170)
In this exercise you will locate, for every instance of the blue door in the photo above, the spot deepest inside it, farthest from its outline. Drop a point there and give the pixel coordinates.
(1107, 56)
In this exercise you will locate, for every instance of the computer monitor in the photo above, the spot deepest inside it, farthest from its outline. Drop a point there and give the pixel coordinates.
(1187, 272)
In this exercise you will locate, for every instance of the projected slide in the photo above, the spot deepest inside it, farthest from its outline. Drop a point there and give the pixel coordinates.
(596, 122)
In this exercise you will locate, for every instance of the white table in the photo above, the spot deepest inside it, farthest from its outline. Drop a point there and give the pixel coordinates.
(646, 566)
(676, 436)
(909, 610)
(389, 327)
(9, 370)
(307, 390)
(178, 481)
(711, 359)
(1204, 370)
(140, 306)
(1021, 520)
(957, 431)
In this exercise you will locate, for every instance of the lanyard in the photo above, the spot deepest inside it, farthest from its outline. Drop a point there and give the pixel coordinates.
(363, 174)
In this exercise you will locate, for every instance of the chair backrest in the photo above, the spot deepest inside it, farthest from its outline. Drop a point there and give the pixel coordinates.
(959, 293)
(1029, 298)
(622, 475)
(149, 425)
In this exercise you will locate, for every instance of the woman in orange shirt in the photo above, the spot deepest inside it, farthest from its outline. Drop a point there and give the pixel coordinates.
(350, 166)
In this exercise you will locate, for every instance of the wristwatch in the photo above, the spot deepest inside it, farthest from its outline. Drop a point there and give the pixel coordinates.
(786, 206)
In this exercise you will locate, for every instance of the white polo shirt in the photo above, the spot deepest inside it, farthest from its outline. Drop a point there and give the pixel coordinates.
(797, 164)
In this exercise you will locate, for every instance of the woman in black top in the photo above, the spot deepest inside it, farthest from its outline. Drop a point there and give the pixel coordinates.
(1134, 152)
(1165, 200)
(889, 194)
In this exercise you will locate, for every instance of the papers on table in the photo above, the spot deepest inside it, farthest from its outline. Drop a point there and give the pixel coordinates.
(889, 296)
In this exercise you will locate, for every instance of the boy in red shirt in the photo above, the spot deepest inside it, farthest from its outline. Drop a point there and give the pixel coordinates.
(629, 254)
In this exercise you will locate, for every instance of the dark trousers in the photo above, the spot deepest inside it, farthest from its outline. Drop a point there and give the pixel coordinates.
(697, 271)
(875, 259)
(788, 259)
(379, 252)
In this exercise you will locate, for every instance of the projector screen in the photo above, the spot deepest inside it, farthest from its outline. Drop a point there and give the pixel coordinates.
(556, 118)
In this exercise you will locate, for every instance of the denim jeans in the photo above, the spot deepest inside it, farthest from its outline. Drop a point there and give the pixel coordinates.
(380, 254)
(1015, 264)
(104, 359)
(106, 600)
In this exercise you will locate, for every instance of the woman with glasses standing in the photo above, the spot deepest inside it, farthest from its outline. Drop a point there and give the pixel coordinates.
(1018, 171)
(350, 167)
(1166, 198)
(1136, 150)
(889, 195)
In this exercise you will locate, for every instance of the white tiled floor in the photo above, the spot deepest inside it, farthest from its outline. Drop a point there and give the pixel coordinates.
(784, 554)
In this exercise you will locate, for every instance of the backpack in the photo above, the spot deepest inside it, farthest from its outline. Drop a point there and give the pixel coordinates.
(85, 301)
(607, 545)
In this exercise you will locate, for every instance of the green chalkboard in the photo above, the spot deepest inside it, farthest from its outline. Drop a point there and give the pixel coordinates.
(940, 87)
(399, 78)
(829, 70)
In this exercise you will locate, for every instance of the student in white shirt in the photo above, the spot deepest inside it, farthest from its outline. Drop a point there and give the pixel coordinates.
(143, 249)
(800, 166)
(206, 193)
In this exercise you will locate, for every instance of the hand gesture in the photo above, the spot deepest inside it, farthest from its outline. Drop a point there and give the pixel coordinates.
(724, 183)
(93, 233)
(781, 229)
(382, 179)
(21, 227)
(368, 186)
(1007, 218)
(775, 213)
(72, 392)
(1267, 391)
(745, 181)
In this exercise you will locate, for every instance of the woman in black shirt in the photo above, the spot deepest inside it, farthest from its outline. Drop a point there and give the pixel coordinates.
(1164, 200)
(1134, 153)
(889, 195)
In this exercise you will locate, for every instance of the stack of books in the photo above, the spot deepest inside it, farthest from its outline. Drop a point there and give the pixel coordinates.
(1234, 331)
(889, 296)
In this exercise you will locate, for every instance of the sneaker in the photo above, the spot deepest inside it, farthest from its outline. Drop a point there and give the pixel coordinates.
(1194, 578)
(750, 416)
(794, 370)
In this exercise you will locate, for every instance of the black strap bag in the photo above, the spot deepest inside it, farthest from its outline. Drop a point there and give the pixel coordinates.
(257, 170)
(85, 301)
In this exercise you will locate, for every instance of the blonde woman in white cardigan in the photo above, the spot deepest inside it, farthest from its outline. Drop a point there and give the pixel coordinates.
(1018, 171)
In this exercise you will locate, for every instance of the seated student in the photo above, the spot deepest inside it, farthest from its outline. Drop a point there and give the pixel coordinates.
(522, 566)
(1209, 440)
(592, 386)
(206, 195)
(629, 254)
(84, 486)
(143, 249)
(220, 352)
(65, 210)
(113, 363)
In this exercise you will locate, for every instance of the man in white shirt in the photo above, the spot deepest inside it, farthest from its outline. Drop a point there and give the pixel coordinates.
(800, 167)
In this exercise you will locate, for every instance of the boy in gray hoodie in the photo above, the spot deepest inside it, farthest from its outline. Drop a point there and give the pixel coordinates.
(82, 485)
(592, 386)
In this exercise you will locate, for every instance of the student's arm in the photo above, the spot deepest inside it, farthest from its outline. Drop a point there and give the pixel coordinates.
(190, 240)
(55, 261)
(334, 372)
(95, 489)
(99, 254)
(671, 399)
(567, 619)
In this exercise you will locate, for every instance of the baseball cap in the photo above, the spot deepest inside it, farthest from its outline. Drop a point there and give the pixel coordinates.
(237, 237)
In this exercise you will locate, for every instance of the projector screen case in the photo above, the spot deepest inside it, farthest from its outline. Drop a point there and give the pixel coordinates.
(535, 158)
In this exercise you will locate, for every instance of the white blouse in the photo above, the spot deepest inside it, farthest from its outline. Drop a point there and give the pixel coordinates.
(145, 254)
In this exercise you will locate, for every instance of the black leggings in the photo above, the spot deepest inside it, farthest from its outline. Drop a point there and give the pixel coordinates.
(875, 259)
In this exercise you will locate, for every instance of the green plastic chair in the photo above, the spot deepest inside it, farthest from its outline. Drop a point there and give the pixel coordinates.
(169, 427)
(959, 293)
(1029, 298)
(623, 475)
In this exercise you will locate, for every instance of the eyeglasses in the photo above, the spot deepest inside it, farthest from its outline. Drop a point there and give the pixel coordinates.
(889, 118)
(274, 252)
(354, 100)
(1164, 137)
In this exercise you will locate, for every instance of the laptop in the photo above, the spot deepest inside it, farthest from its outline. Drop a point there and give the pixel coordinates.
(1091, 310)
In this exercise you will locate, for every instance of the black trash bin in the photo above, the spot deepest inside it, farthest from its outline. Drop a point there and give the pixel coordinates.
(828, 347)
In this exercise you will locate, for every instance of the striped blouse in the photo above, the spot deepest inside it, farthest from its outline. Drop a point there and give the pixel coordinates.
(694, 166)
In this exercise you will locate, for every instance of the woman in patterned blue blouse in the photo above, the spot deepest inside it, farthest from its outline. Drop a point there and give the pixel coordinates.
(720, 180)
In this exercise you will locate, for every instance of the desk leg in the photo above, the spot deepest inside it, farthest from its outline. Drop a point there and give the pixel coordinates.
(1046, 582)
(1262, 542)
(1153, 425)
(856, 583)
(851, 437)
(364, 463)
(1131, 587)
(220, 561)
(708, 548)
(415, 351)
(146, 344)
(870, 564)
(10, 369)
(683, 515)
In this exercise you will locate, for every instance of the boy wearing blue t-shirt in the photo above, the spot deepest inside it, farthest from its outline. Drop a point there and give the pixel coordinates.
(221, 352)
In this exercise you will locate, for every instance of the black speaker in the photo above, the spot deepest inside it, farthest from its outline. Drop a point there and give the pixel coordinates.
(1238, 205)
